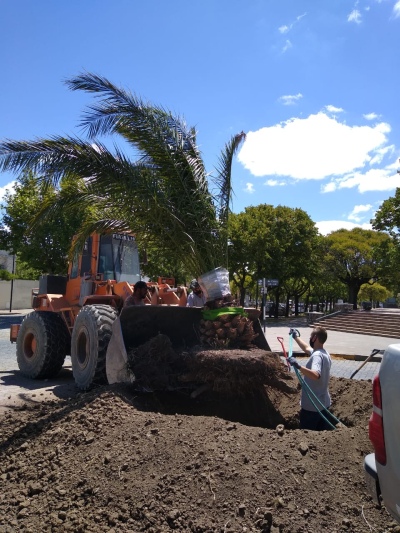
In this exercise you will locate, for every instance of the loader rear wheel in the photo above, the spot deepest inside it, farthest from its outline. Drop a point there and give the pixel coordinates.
(43, 342)
(90, 338)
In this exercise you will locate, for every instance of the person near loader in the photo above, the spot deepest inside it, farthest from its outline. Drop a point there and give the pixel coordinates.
(316, 373)
(196, 298)
(139, 294)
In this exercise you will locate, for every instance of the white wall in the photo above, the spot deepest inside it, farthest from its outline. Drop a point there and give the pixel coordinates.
(21, 294)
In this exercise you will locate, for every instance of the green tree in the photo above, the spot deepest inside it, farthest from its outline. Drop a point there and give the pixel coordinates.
(155, 263)
(387, 217)
(355, 257)
(25, 271)
(295, 288)
(162, 193)
(43, 248)
(271, 242)
(5, 275)
(373, 293)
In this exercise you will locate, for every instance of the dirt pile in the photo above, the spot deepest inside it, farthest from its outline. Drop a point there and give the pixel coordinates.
(155, 365)
(114, 460)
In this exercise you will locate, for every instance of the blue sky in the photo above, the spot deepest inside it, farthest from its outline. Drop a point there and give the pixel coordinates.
(313, 84)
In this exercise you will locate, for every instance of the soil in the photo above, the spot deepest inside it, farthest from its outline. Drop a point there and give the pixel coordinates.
(117, 460)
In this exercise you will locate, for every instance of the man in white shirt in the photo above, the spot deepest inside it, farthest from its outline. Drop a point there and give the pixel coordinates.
(316, 374)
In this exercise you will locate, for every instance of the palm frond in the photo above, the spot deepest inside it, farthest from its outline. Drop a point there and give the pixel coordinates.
(223, 179)
(162, 137)
(122, 112)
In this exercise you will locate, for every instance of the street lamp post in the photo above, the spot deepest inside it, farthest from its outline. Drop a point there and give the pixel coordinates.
(12, 282)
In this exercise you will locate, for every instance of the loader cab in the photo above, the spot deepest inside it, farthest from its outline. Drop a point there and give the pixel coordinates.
(109, 257)
(104, 257)
(119, 258)
(81, 267)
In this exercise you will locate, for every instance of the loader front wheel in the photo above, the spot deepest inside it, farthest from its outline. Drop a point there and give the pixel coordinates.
(43, 342)
(90, 337)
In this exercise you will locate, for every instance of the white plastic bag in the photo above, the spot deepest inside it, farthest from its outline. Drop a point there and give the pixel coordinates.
(215, 284)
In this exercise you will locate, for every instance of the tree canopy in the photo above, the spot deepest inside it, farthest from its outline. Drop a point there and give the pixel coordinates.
(270, 242)
(42, 248)
(387, 217)
(373, 293)
(356, 257)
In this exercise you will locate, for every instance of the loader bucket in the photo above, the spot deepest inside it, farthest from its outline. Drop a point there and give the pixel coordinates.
(138, 324)
(141, 323)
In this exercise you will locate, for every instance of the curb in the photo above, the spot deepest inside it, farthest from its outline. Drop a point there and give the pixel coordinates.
(376, 359)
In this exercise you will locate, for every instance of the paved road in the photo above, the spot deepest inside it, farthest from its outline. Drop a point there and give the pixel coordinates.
(15, 389)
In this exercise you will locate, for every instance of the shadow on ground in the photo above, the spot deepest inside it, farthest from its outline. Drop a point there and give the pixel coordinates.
(7, 320)
(17, 389)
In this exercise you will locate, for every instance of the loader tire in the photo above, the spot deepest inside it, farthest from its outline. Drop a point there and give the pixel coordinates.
(43, 342)
(89, 341)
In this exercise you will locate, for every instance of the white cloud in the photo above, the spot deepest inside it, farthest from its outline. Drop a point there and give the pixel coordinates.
(370, 116)
(288, 45)
(355, 16)
(327, 226)
(290, 99)
(394, 165)
(329, 187)
(333, 109)
(315, 147)
(372, 180)
(249, 188)
(396, 9)
(275, 183)
(286, 28)
(9, 187)
(380, 153)
(384, 179)
(359, 211)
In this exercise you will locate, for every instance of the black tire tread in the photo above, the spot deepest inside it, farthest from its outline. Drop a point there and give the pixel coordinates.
(56, 342)
(103, 317)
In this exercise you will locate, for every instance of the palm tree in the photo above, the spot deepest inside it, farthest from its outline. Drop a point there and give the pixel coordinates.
(163, 194)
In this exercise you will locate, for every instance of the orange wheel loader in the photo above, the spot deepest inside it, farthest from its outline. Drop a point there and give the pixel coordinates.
(83, 315)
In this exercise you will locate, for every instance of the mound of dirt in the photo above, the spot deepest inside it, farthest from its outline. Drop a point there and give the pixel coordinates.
(155, 365)
(112, 460)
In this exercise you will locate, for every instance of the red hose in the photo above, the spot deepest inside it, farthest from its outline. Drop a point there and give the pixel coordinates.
(280, 339)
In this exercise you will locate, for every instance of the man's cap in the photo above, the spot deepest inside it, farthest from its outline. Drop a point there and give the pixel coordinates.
(194, 284)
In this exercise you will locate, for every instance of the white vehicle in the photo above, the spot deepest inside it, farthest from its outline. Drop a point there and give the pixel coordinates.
(382, 468)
